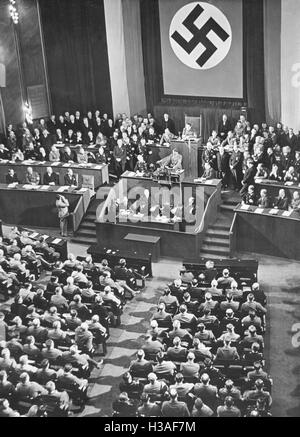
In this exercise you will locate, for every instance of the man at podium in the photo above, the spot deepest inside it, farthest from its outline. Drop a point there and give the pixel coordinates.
(173, 161)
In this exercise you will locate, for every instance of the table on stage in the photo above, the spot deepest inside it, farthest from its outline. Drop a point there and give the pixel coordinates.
(98, 172)
(142, 220)
(267, 231)
(187, 149)
(35, 206)
(199, 189)
(273, 188)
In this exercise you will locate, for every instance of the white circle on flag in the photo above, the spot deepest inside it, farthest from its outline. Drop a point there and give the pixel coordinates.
(200, 35)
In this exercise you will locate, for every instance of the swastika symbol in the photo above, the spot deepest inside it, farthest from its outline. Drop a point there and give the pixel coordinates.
(202, 27)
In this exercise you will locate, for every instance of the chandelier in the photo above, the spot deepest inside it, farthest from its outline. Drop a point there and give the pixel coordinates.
(13, 10)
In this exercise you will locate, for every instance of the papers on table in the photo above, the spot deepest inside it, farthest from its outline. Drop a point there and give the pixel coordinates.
(62, 189)
(44, 187)
(56, 241)
(287, 213)
(259, 210)
(34, 235)
(131, 174)
(245, 207)
(66, 165)
(31, 187)
(161, 219)
(45, 236)
(13, 185)
(274, 211)
(98, 167)
(82, 190)
(54, 164)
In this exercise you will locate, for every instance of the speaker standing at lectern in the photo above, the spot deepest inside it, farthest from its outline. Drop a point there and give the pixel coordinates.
(173, 161)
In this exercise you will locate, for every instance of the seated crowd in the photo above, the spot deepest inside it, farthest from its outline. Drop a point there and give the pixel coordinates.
(240, 154)
(89, 139)
(203, 354)
(263, 200)
(56, 326)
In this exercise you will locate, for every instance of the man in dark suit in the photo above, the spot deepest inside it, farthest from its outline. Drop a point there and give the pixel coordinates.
(72, 123)
(46, 141)
(70, 138)
(70, 179)
(227, 352)
(235, 163)
(224, 127)
(11, 177)
(248, 178)
(52, 125)
(120, 155)
(208, 155)
(223, 166)
(50, 178)
(168, 123)
(174, 408)
(59, 137)
(68, 155)
(291, 140)
(286, 159)
(281, 202)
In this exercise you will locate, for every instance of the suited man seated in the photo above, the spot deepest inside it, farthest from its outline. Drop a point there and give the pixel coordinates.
(177, 331)
(209, 172)
(70, 179)
(185, 318)
(11, 177)
(227, 352)
(50, 178)
(32, 177)
(177, 352)
(207, 392)
(123, 406)
(281, 202)
(188, 132)
(68, 155)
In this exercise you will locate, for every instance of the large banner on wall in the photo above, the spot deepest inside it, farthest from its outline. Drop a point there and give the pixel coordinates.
(202, 48)
(290, 63)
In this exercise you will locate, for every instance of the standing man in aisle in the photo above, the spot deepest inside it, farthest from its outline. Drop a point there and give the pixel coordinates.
(62, 204)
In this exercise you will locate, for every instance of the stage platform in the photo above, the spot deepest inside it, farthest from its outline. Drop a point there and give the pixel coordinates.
(177, 238)
(264, 231)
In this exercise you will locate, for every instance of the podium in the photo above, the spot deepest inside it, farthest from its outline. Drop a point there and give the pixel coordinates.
(167, 176)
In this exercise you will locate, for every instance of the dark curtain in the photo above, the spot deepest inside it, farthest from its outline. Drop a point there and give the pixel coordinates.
(76, 52)
(253, 69)
(151, 52)
(254, 60)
